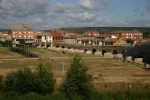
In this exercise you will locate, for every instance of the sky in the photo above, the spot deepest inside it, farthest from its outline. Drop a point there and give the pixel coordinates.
(49, 14)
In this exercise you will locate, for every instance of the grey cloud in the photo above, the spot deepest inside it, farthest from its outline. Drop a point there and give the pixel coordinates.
(137, 9)
(62, 8)
(135, 23)
(148, 7)
(21, 8)
(82, 17)
(93, 5)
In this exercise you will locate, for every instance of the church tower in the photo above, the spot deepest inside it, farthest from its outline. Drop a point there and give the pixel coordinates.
(25, 25)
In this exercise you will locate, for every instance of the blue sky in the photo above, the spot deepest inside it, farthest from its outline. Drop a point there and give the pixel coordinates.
(48, 14)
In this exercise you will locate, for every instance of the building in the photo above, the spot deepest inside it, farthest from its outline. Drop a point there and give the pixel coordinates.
(4, 36)
(92, 33)
(25, 35)
(70, 38)
(128, 34)
(57, 35)
(44, 39)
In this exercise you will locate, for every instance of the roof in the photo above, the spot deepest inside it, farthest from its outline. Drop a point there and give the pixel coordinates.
(105, 35)
(44, 34)
(29, 30)
(126, 31)
(111, 40)
(72, 36)
(93, 33)
(57, 33)
(86, 35)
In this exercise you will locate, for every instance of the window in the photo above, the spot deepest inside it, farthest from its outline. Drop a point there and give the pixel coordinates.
(19, 32)
(24, 32)
(28, 36)
(24, 36)
(13, 32)
(31, 36)
(28, 32)
(19, 35)
(13, 36)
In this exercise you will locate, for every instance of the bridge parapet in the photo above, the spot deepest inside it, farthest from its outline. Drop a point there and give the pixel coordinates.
(94, 48)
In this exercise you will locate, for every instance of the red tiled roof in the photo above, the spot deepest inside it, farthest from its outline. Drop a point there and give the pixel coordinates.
(105, 35)
(57, 33)
(126, 31)
(109, 40)
(92, 33)
(72, 36)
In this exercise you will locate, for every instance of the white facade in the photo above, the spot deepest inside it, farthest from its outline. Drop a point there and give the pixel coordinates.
(46, 39)
(114, 37)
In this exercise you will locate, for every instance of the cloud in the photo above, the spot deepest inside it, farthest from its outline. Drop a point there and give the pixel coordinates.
(62, 8)
(148, 25)
(137, 9)
(102, 20)
(92, 4)
(134, 23)
(21, 8)
(37, 20)
(82, 16)
(148, 7)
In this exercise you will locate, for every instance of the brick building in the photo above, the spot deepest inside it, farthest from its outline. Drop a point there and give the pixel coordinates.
(26, 35)
(57, 35)
(128, 34)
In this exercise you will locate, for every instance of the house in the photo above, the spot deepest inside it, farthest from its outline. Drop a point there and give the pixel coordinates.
(128, 34)
(70, 38)
(44, 39)
(26, 35)
(89, 38)
(92, 33)
(4, 36)
(57, 35)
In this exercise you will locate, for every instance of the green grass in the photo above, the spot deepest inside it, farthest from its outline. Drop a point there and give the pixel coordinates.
(119, 95)
(5, 53)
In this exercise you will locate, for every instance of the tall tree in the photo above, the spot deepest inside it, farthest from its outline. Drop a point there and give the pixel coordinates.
(77, 81)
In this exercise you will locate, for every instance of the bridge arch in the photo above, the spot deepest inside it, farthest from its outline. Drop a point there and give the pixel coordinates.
(69, 47)
(85, 50)
(94, 50)
(57, 46)
(115, 51)
(103, 51)
(63, 47)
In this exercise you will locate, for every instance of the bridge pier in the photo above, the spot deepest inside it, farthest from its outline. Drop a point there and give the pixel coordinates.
(88, 52)
(139, 60)
(108, 54)
(98, 53)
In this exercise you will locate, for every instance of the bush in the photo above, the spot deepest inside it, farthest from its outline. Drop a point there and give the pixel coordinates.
(24, 81)
(44, 81)
(77, 81)
(21, 81)
(1, 83)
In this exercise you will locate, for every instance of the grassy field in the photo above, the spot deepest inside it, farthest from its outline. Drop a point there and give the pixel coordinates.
(6, 53)
(109, 70)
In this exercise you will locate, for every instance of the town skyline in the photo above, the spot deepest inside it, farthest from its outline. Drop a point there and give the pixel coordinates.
(48, 14)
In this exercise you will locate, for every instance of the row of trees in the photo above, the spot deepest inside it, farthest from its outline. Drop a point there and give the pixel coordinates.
(5, 43)
(105, 29)
(42, 81)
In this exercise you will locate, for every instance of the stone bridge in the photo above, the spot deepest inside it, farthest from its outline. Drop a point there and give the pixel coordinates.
(94, 48)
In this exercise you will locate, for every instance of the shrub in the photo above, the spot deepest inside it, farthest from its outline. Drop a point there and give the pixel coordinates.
(21, 81)
(24, 81)
(1, 83)
(77, 81)
(44, 81)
